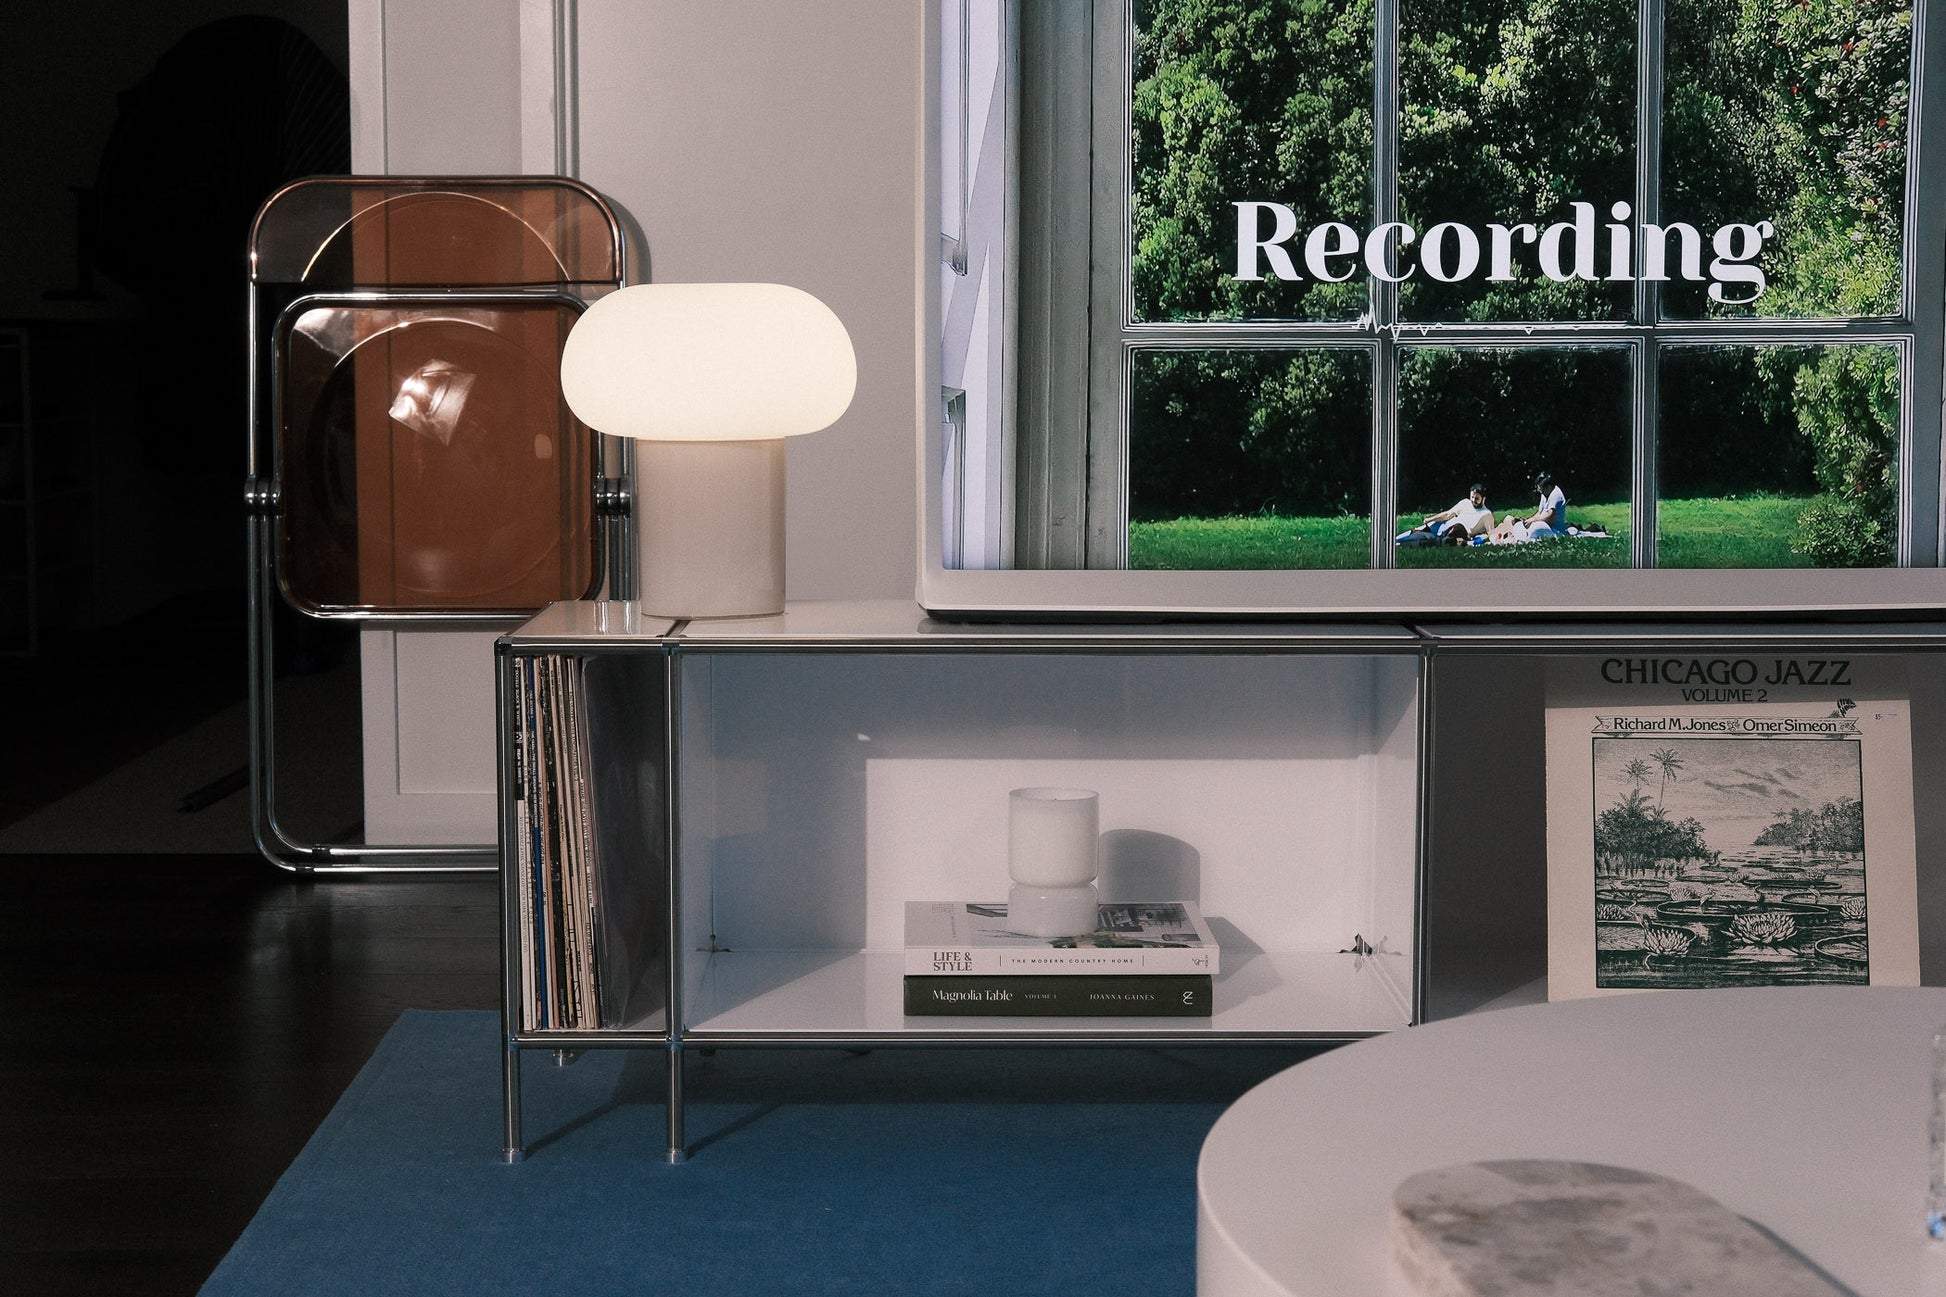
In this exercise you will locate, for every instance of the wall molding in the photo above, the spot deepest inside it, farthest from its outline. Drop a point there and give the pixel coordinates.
(550, 128)
(365, 28)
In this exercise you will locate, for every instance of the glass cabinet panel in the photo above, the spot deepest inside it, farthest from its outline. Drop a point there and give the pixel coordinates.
(821, 791)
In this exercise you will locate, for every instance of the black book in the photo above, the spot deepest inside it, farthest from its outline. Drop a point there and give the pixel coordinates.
(1109, 995)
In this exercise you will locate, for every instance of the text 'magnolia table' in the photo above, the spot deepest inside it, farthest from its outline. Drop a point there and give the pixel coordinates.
(1802, 1109)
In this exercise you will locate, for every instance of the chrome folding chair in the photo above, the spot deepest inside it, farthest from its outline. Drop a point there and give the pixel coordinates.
(411, 460)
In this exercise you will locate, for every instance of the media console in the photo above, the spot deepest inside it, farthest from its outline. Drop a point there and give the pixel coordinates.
(751, 802)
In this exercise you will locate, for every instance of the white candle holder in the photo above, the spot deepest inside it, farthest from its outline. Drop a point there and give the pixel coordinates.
(1053, 911)
(1051, 835)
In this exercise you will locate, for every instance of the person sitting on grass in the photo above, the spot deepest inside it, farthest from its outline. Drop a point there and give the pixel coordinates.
(1550, 517)
(1458, 525)
(1511, 531)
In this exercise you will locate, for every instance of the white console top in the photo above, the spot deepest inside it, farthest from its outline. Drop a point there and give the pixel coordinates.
(900, 623)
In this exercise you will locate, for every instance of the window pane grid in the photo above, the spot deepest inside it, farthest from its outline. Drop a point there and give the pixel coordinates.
(1647, 336)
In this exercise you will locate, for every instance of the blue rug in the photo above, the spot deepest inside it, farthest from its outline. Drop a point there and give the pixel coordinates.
(996, 1171)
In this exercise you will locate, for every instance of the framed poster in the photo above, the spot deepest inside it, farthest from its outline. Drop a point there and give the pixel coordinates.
(1729, 821)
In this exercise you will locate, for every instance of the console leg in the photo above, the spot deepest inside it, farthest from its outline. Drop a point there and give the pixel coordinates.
(512, 1151)
(677, 1153)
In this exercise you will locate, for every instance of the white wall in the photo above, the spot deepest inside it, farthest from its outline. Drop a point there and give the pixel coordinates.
(742, 140)
(754, 140)
(745, 140)
(435, 89)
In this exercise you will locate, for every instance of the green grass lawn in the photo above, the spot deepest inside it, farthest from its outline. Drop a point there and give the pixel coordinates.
(1751, 531)
(1748, 532)
(1207, 544)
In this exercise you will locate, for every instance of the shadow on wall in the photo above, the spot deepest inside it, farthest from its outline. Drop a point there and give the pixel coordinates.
(1138, 865)
(1485, 900)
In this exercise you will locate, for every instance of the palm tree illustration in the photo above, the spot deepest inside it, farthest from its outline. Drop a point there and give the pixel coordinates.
(1636, 772)
(1670, 763)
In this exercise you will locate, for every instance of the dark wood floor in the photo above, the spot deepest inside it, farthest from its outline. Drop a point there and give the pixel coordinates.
(175, 1028)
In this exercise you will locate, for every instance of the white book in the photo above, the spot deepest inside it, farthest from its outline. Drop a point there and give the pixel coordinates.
(948, 937)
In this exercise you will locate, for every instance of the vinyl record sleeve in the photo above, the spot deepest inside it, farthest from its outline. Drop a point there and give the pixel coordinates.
(1729, 821)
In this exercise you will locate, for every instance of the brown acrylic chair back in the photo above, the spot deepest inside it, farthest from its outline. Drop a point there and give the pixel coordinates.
(411, 458)
(422, 459)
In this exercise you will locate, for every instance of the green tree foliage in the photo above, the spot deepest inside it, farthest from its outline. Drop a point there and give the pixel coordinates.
(1296, 440)
(1510, 109)
(1798, 108)
(1498, 415)
(1236, 99)
(1848, 406)
(1246, 99)
(1729, 422)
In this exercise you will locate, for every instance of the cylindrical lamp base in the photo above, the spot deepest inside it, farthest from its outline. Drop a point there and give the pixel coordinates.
(709, 528)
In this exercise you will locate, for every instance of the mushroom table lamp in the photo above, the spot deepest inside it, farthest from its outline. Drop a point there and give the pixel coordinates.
(709, 379)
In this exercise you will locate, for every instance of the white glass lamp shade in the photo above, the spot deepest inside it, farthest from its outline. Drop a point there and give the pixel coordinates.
(708, 362)
(710, 379)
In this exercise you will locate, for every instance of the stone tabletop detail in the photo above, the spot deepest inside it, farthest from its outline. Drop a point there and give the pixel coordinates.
(1580, 1229)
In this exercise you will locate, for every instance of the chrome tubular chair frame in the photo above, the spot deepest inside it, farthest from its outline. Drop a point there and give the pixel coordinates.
(459, 251)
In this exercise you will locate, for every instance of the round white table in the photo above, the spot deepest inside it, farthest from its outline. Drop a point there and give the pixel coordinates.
(1802, 1109)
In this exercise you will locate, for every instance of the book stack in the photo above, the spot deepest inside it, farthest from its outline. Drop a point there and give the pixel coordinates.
(1141, 960)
